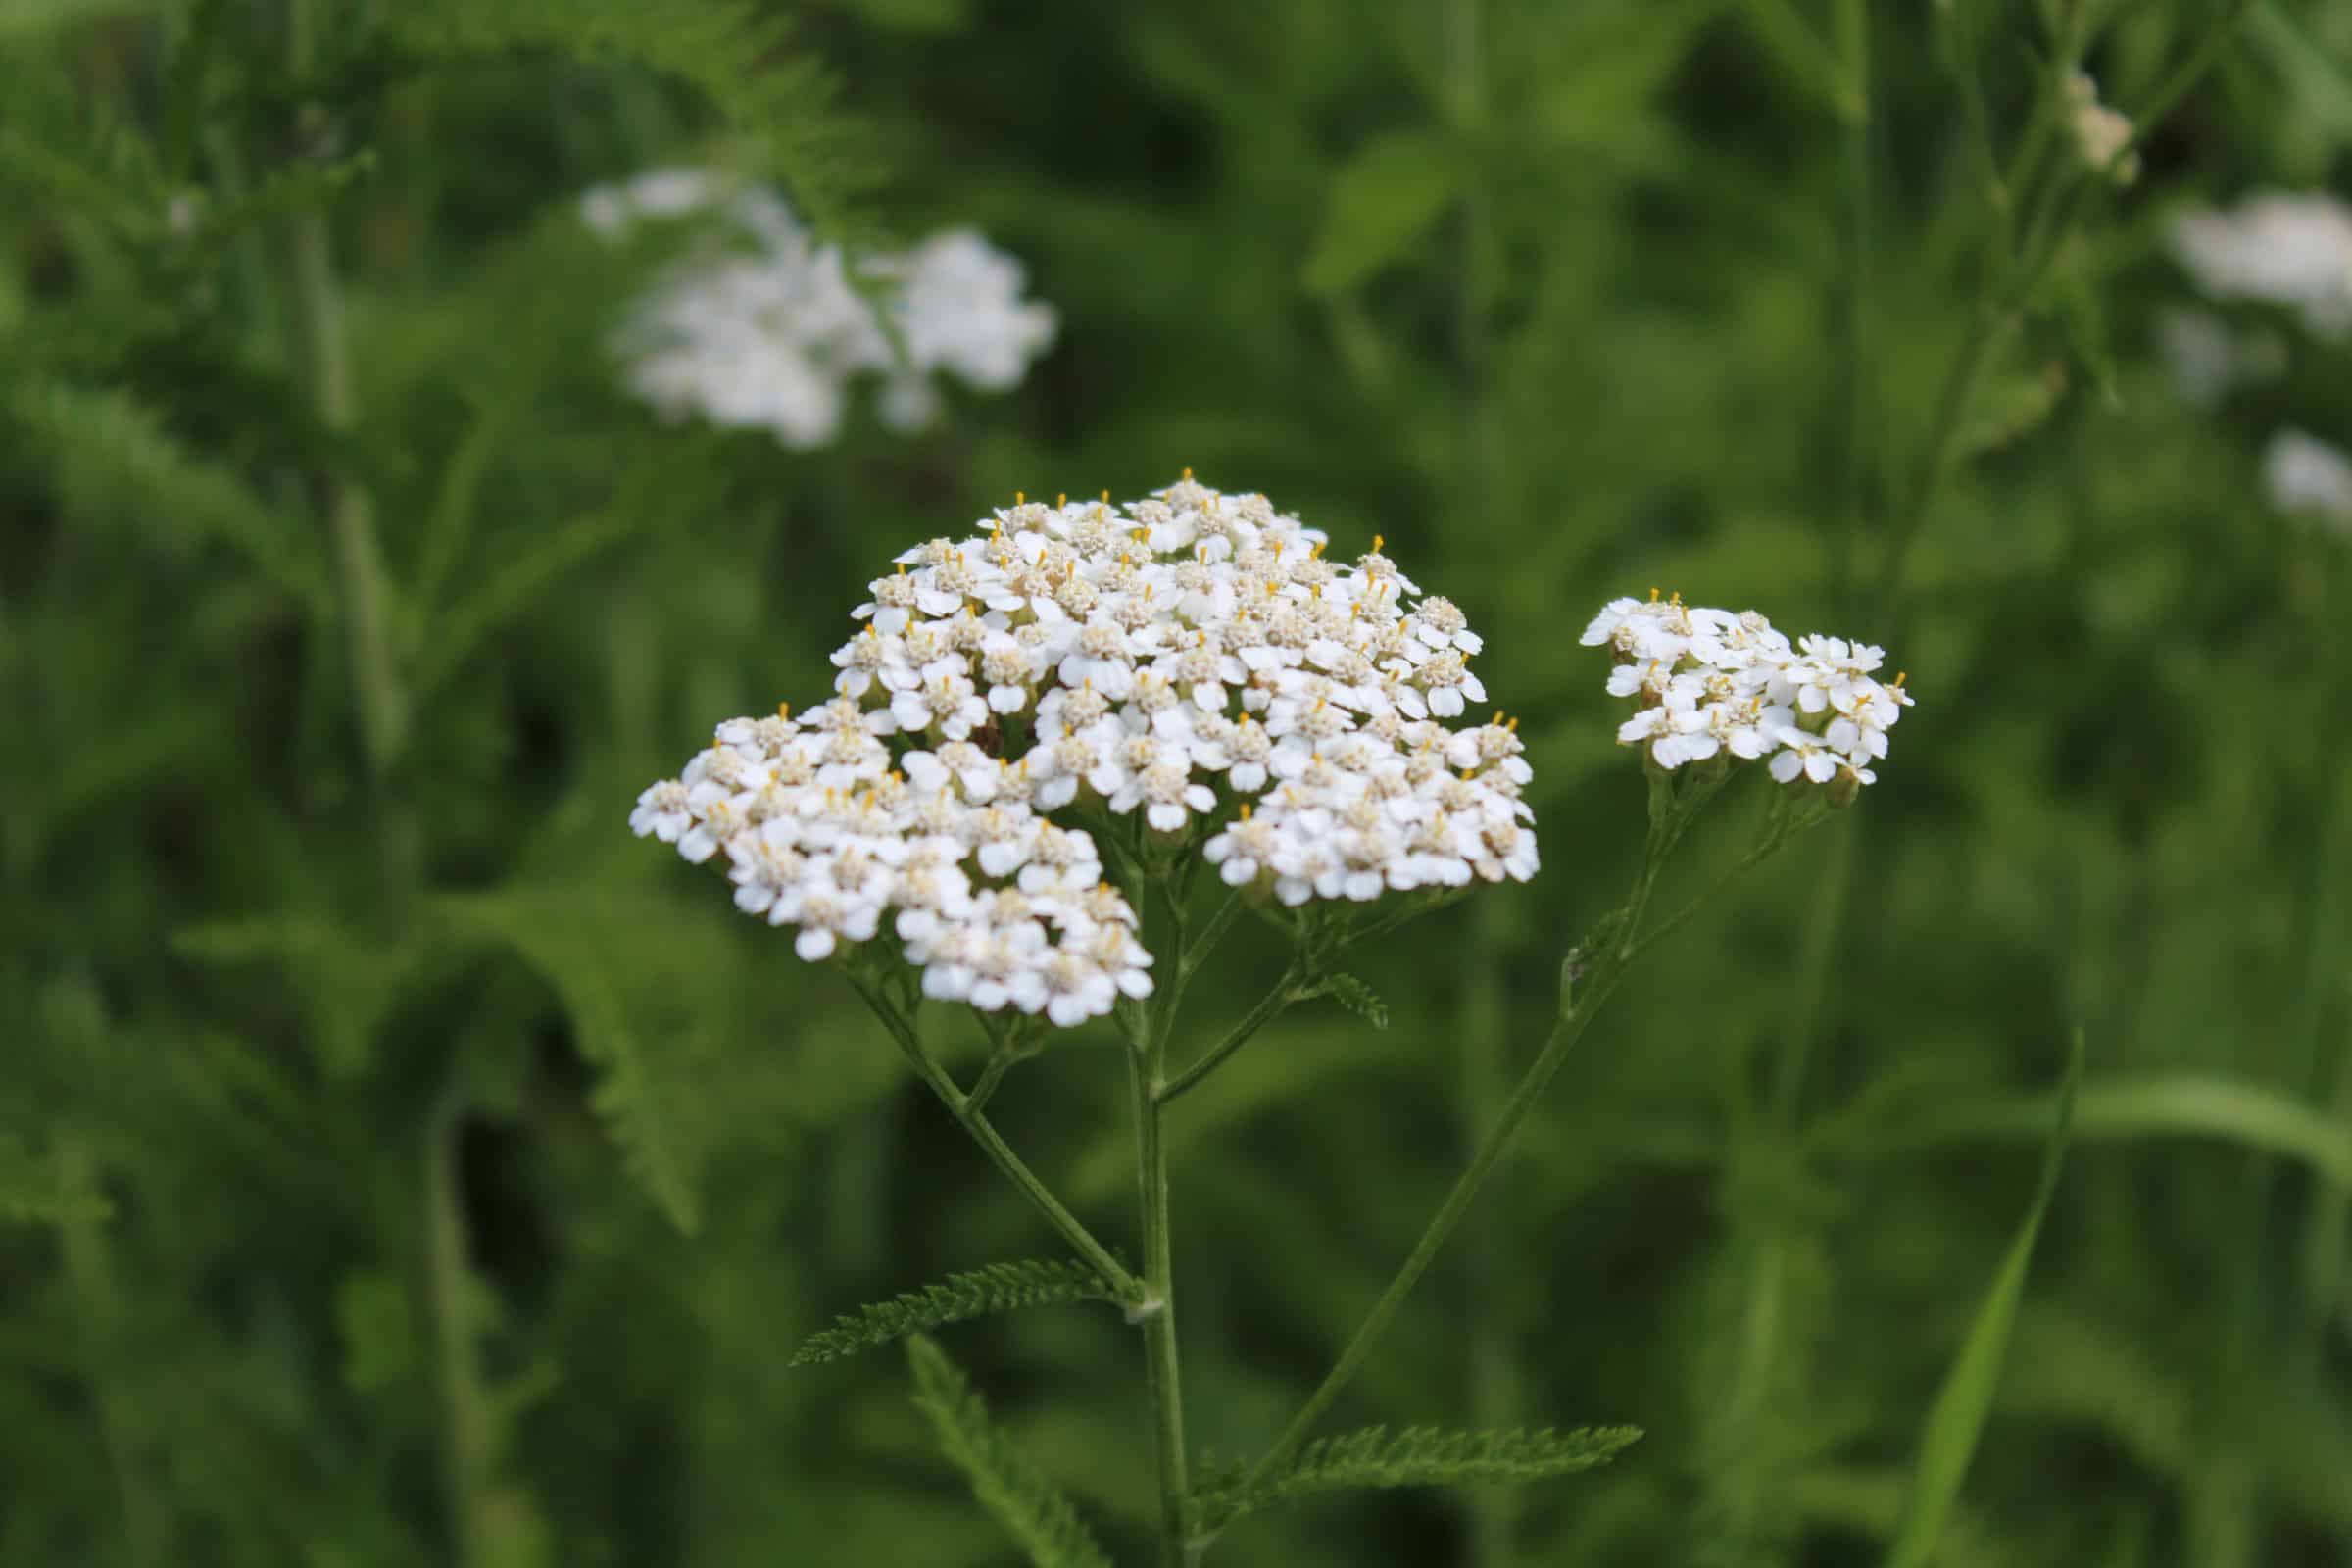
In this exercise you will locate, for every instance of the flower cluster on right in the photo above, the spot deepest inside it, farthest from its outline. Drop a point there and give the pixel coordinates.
(1713, 681)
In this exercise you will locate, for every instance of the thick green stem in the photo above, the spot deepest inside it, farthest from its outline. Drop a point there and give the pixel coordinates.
(468, 1438)
(1157, 1314)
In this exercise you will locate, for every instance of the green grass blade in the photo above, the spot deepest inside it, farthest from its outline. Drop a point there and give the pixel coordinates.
(1961, 1406)
(2185, 1104)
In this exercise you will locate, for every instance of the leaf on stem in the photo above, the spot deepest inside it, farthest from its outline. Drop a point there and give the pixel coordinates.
(1359, 998)
(1418, 1457)
(1015, 1492)
(1961, 1407)
(1383, 202)
(997, 1287)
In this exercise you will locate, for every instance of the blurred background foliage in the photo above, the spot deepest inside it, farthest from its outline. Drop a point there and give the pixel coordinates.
(341, 1007)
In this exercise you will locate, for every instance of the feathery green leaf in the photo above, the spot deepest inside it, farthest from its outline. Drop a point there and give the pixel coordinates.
(737, 55)
(1008, 1486)
(1418, 1457)
(997, 1287)
(1359, 998)
(107, 456)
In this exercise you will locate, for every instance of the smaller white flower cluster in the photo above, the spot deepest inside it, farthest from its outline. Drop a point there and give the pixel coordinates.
(769, 332)
(2276, 248)
(1711, 681)
(821, 831)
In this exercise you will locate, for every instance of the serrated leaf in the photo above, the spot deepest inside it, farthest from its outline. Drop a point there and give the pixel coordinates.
(1021, 1498)
(997, 1287)
(638, 1010)
(1957, 1417)
(1382, 202)
(653, 493)
(2009, 408)
(294, 188)
(738, 55)
(1359, 998)
(109, 456)
(348, 980)
(1418, 1457)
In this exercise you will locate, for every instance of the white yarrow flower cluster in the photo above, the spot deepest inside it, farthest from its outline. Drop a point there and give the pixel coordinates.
(2276, 248)
(769, 333)
(1711, 681)
(1166, 658)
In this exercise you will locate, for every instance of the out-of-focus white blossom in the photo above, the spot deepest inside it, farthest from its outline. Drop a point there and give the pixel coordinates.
(2307, 478)
(1193, 661)
(2278, 248)
(2101, 134)
(1710, 682)
(769, 332)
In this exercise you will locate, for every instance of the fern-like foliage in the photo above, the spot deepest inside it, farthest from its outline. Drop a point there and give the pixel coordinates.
(1021, 1498)
(738, 55)
(1359, 998)
(1418, 1457)
(109, 456)
(997, 1287)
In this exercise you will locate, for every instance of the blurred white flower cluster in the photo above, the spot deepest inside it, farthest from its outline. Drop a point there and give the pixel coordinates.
(1192, 661)
(1710, 681)
(2306, 477)
(2279, 249)
(769, 332)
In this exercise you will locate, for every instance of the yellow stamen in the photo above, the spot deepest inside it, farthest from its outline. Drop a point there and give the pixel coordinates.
(1020, 497)
(1062, 500)
(1513, 725)
(1188, 473)
(1901, 675)
(1106, 498)
(1245, 810)
(1654, 593)
(784, 710)
(1317, 552)
(1377, 541)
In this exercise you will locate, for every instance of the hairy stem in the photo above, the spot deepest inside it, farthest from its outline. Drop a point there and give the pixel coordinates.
(1157, 1315)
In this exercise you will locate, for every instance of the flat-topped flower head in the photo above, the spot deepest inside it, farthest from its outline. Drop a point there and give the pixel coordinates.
(1194, 668)
(1710, 682)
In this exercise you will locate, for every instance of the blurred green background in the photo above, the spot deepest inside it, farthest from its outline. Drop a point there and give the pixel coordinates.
(367, 1126)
